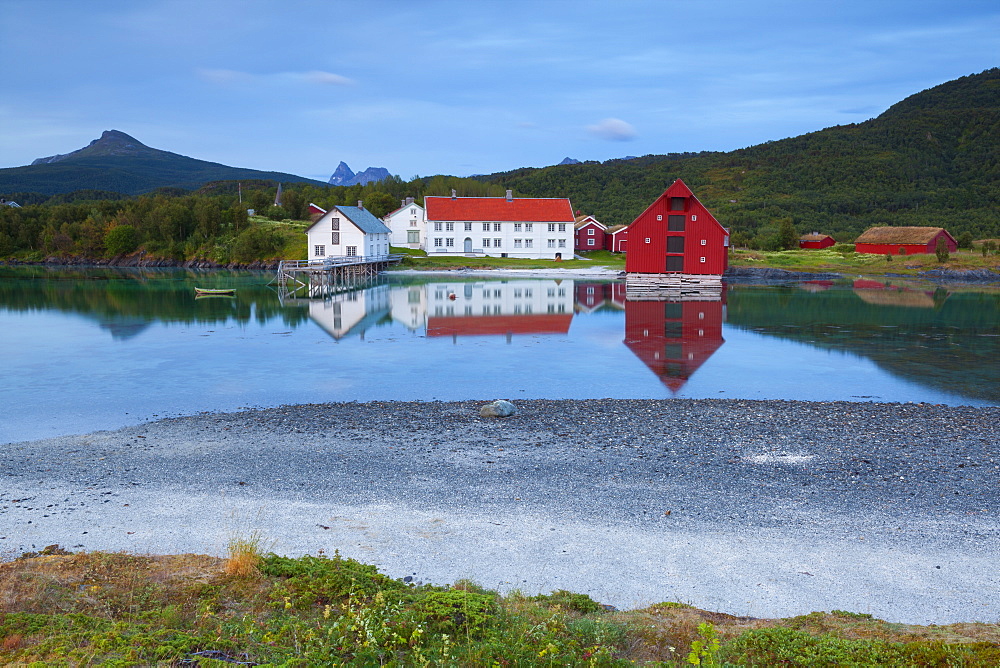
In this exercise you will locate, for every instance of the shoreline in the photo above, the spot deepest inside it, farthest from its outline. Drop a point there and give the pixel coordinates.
(775, 508)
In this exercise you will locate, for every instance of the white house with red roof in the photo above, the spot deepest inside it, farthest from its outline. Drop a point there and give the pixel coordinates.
(522, 227)
(409, 228)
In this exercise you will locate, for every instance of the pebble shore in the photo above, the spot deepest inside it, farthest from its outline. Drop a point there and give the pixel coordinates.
(761, 508)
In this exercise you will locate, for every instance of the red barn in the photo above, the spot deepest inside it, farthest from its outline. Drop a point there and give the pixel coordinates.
(674, 338)
(676, 236)
(816, 240)
(589, 234)
(616, 238)
(903, 240)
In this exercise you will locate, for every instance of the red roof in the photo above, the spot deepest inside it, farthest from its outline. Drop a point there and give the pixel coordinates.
(500, 324)
(499, 209)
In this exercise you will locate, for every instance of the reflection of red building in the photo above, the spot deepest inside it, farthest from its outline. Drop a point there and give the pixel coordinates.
(674, 338)
(590, 296)
(491, 325)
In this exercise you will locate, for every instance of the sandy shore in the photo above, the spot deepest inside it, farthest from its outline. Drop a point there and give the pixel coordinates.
(763, 508)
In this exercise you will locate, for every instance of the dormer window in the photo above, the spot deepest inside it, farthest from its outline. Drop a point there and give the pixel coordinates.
(677, 203)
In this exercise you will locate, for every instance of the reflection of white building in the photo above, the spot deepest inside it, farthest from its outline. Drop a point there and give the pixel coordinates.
(351, 312)
(409, 229)
(484, 308)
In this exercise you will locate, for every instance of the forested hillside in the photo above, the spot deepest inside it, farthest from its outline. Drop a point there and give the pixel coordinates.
(932, 159)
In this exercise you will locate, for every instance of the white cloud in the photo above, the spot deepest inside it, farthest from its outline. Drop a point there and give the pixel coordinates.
(613, 129)
(317, 77)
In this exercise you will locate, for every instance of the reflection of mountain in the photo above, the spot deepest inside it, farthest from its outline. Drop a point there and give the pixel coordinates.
(674, 338)
(125, 301)
(951, 344)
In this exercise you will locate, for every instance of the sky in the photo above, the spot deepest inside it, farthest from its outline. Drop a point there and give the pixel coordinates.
(424, 87)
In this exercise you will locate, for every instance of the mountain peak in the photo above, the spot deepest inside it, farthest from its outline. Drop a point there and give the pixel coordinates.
(342, 175)
(111, 142)
(569, 161)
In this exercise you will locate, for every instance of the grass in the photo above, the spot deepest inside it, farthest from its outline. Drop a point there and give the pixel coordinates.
(417, 259)
(843, 260)
(119, 609)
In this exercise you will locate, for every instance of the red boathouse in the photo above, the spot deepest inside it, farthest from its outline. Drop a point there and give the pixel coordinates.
(816, 240)
(677, 239)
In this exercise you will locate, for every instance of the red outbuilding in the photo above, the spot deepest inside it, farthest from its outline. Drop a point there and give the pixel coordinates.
(816, 240)
(677, 236)
(616, 238)
(903, 240)
(589, 234)
(674, 338)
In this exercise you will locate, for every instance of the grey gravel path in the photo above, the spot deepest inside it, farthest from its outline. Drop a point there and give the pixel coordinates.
(765, 508)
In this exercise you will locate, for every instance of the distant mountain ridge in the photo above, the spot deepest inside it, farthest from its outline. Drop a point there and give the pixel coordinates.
(343, 176)
(117, 162)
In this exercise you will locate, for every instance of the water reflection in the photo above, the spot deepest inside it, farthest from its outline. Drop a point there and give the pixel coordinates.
(675, 337)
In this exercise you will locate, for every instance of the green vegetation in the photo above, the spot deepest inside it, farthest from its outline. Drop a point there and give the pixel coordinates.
(118, 609)
(416, 259)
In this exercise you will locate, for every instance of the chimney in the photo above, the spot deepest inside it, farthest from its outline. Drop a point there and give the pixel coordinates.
(408, 201)
(403, 202)
(360, 205)
(454, 193)
(510, 195)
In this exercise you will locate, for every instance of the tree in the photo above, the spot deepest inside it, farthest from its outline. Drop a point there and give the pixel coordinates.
(120, 240)
(941, 250)
(964, 240)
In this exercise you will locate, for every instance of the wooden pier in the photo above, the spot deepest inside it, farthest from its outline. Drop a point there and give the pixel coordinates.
(679, 287)
(320, 279)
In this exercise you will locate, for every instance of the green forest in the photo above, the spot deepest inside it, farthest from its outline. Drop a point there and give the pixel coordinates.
(932, 159)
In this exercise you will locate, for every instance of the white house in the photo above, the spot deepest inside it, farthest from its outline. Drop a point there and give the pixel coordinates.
(524, 227)
(408, 225)
(348, 231)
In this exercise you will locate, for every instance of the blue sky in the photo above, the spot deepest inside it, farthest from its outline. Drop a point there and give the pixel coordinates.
(464, 87)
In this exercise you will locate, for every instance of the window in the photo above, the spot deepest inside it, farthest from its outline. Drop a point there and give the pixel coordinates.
(413, 236)
(413, 212)
(550, 292)
(438, 242)
(590, 289)
(675, 244)
(529, 243)
(676, 203)
(561, 292)
(552, 243)
(590, 242)
(659, 216)
(529, 293)
(528, 227)
(562, 243)
(694, 218)
(335, 223)
(496, 227)
(647, 240)
(702, 260)
(319, 251)
(352, 251)
(675, 263)
(486, 227)
(552, 227)
(675, 223)
(437, 227)
(517, 227)
(449, 227)
(590, 231)
(335, 238)
(517, 243)
(449, 242)
(468, 227)
(497, 243)
(413, 297)
(517, 293)
(486, 243)
(704, 242)
(562, 227)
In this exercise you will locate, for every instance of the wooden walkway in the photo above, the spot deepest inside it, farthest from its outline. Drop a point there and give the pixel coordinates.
(320, 279)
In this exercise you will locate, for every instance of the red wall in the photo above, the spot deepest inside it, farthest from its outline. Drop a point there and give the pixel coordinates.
(703, 237)
(824, 243)
(911, 249)
(583, 234)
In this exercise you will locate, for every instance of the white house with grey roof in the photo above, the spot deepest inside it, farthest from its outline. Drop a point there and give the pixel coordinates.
(350, 231)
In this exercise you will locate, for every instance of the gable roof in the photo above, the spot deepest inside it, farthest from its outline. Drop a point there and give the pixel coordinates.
(361, 217)
(499, 209)
(899, 235)
(815, 236)
(616, 228)
(398, 209)
(583, 221)
(679, 189)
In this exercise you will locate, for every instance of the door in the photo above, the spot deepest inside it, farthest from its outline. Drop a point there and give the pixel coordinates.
(468, 245)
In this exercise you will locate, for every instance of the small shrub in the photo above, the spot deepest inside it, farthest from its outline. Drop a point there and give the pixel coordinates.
(243, 555)
(456, 611)
(568, 600)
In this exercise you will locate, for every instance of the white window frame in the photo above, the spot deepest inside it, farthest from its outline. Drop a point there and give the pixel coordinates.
(319, 250)
(351, 251)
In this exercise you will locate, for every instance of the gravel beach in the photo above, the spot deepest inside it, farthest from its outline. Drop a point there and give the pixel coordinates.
(761, 508)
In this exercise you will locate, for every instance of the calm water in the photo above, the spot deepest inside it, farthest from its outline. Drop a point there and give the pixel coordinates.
(98, 349)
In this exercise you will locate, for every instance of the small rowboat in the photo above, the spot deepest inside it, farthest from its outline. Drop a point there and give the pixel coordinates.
(215, 292)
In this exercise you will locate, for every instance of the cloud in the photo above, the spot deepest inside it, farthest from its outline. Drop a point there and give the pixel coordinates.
(613, 129)
(315, 77)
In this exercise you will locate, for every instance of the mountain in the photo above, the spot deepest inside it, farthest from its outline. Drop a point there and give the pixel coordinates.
(569, 161)
(119, 163)
(930, 159)
(343, 176)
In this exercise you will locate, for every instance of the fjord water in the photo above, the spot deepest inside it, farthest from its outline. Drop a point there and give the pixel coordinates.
(91, 349)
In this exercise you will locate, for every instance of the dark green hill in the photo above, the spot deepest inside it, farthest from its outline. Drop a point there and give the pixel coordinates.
(931, 159)
(119, 163)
